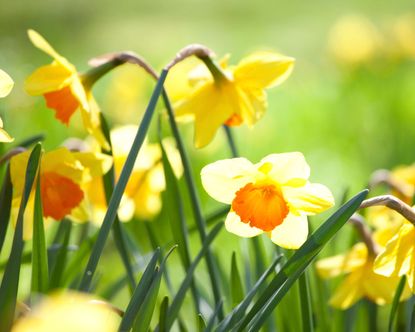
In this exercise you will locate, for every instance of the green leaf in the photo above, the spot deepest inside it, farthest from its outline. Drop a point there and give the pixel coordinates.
(10, 282)
(31, 140)
(120, 187)
(5, 206)
(40, 272)
(145, 313)
(237, 290)
(163, 313)
(395, 303)
(139, 294)
(178, 299)
(305, 302)
(201, 324)
(296, 265)
(212, 319)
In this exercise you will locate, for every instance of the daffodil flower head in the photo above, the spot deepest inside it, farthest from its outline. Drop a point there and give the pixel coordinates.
(62, 177)
(273, 196)
(6, 85)
(229, 95)
(404, 178)
(64, 90)
(361, 281)
(68, 312)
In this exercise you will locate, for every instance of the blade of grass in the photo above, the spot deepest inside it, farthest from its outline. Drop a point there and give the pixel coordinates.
(31, 140)
(212, 319)
(395, 302)
(196, 206)
(10, 281)
(305, 302)
(299, 262)
(201, 324)
(237, 290)
(5, 206)
(139, 294)
(120, 187)
(40, 272)
(163, 313)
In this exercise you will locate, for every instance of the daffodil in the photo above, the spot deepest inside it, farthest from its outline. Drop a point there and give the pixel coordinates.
(142, 197)
(6, 85)
(273, 196)
(361, 281)
(63, 174)
(64, 89)
(398, 258)
(404, 178)
(69, 312)
(403, 31)
(231, 97)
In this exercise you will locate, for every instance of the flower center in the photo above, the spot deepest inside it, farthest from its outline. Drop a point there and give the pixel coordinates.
(260, 206)
(59, 195)
(63, 102)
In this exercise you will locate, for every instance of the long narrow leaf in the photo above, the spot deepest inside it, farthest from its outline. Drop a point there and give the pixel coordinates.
(237, 291)
(120, 186)
(163, 313)
(10, 282)
(395, 302)
(305, 302)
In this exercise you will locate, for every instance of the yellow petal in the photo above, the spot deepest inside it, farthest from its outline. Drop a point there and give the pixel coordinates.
(48, 78)
(331, 267)
(233, 224)
(6, 84)
(349, 291)
(63, 162)
(18, 164)
(252, 104)
(288, 169)
(310, 199)
(5, 137)
(263, 70)
(223, 178)
(96, 164)
(292, 233)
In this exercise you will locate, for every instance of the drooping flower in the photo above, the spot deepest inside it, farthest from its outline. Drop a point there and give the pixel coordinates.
(234, 97)
(68, 312)
(64, 89)
(361, 281)
(6, 85)
(273, 196)
(63, 174)
(142, 197)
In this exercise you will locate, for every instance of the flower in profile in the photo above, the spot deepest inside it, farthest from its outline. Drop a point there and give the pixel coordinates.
(63, 174)
(354, 40)
(6, 85)
(68, 312)
(230, 96)
(142, 197)
(361, 281)
(273, 196)
(64, 89)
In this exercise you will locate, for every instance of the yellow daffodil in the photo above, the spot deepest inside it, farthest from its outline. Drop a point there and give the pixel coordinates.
(361, 281)
(64, 89)
(6, 85)
(354, 40)
(381, 217)
(234, 97)
(404, 34)
(142, 197)
(404, 177)
(398, 258)
(63, 174)
(273, 196)
(69, 312)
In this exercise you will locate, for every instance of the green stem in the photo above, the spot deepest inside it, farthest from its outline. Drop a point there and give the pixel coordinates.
(120, 186)
(231, 141)
(197, 211)
(94, 74)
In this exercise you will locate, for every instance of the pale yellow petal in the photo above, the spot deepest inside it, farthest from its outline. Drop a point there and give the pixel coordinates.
(96, 164)
(233, 224)
(5, 137)
(349, 291)
(292, 233)
(6, 84)
(310, 199)
(18, 164)
(63, 162)
(263, 70)
(289, 169)
(223, 178)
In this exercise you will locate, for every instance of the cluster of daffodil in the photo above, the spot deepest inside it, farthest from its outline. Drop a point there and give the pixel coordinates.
(374, 267)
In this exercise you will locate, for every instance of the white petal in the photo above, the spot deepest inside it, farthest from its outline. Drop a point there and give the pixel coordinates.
(222, 179)
(287, 168)
(292, 233)
(233, 224)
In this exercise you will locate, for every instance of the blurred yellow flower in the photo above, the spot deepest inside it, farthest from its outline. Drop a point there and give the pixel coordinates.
(142, 197)
(69, 312)
(64, 90)
(63, 174)
(404, 177)
(6, 85)
(398, 258)
(273, 196)
(361, 281)
(238, 96)
(404, 35)
(354, 40)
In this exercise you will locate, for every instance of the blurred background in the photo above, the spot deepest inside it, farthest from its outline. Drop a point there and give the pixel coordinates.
(349, 104)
